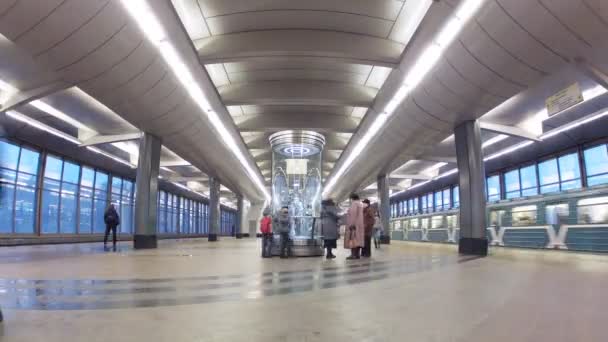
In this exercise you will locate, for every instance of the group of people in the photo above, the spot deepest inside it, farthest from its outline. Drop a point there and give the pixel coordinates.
(361, 220)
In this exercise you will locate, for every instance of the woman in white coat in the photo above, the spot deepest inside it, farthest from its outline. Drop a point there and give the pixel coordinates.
(355, 230)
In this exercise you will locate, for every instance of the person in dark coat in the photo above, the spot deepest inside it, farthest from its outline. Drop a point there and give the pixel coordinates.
(112, 220)
(329, 226)
(369, 218)
(282, 224)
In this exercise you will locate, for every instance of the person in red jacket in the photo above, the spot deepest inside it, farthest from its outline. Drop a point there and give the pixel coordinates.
(266, 230)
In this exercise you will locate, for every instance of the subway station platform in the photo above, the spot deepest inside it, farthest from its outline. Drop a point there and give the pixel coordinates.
(192, 290)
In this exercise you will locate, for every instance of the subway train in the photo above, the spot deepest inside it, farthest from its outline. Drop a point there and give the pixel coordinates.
(571, 220)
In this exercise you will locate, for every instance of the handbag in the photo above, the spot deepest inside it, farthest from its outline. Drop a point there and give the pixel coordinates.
(352, 237)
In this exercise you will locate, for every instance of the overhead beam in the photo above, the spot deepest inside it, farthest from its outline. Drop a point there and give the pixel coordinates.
(341, 46)
(26, 96)
(320, 122)
(188, 178)
(438, 159)
(104, 139)
(592, 71)
(411, 176)
(332, 142)
(170, 163)
(297, 92)
(508, 130)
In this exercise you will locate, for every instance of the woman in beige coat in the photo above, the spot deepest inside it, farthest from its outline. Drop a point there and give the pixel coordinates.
(355, 229)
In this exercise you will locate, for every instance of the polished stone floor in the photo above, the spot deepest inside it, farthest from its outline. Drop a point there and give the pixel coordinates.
(193, 290)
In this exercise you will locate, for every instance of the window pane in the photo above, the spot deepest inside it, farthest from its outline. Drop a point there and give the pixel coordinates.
(493, 184)
(424, 204)
(548, 175)
(29, 161)
(9, 154)
(88, 176)
(86, 210)
(71, 172)
(528, 180)
(99, 207)
(68, 209)
(49, 212)
(446, 198)
(7, 193)
(429, 201)
(116, 185)
(101, 181)
(512, 184)
(456, 195)
(25, 209)
(438, 200)
(569, 171)
(596, 164)
(53, 166)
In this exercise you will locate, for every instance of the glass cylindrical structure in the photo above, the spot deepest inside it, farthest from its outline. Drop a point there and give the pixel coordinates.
(296, 183)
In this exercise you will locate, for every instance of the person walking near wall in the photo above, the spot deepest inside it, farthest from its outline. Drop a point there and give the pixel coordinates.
(369, 214)
(355, 229)
(266, 230)
(329, 226)
(283, 226)
(112, 220)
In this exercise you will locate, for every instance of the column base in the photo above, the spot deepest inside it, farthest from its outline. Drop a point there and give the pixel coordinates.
(385, 239)
(144, 241)
(473, 246)
(212, 237)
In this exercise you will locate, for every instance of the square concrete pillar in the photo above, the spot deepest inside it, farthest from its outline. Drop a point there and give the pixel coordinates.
(147, 190)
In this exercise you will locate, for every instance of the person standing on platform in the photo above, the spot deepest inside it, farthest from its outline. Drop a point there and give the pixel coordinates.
(355, 229)
(369, 215)
(377, 230)
(112, 220)
(283, 226)
(266, 230)
(329, 226)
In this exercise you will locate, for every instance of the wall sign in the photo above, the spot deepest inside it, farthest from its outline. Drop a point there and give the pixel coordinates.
(564, 99)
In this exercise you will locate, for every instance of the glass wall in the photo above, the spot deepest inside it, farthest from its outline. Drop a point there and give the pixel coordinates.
(493, 188)
(18, 188)
(596, 165)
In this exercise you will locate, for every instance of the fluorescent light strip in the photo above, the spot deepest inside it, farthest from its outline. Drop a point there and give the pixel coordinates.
(494, 140)
(425, 62)
(574, 124)
(141, 12)
(43, 127)
(59, 115)
(106, 154)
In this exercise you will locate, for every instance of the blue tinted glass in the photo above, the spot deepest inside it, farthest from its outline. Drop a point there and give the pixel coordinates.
(99, 207)
(596, 165)
(53, 167)
(67, 222)
(71, 172)
(493, 184)
(49, 212)
(28, 162)
(26, 179)
(25, 210)
(528, 180)
(7, 176)
(7, 192)
(116, 185)
(424, 204)
(446, 198)
(438, 200)
(127, 187)
(86, 211)
(512, 184)
(429, 201)
(126, 218)
(101, 180)
(88, 177)
(548, 176)
(569, 171)
(9, 154)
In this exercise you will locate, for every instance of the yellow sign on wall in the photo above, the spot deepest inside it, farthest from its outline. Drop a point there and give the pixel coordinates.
(564, 99)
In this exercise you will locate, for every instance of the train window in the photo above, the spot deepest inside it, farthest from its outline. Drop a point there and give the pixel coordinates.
(593, 210)
(549, 176)
(405, 224)
(414, 224)
(528, 180)
(555, 213)
(452, 221)
(424, 223)
(512, 185)
(496, 217)
(596, 165)
(524, 215)
(437, 222)
(397, 225)
(569, 171)
(493, 185)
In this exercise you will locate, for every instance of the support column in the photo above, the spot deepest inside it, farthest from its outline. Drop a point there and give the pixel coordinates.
(147, 190)
(214, 208)
(240, 207)
(472, 185)
(384, 207)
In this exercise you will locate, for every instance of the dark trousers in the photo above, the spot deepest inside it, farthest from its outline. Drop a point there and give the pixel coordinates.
(285, 249)
(367, 247)
(266, 245)
(108, 229)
